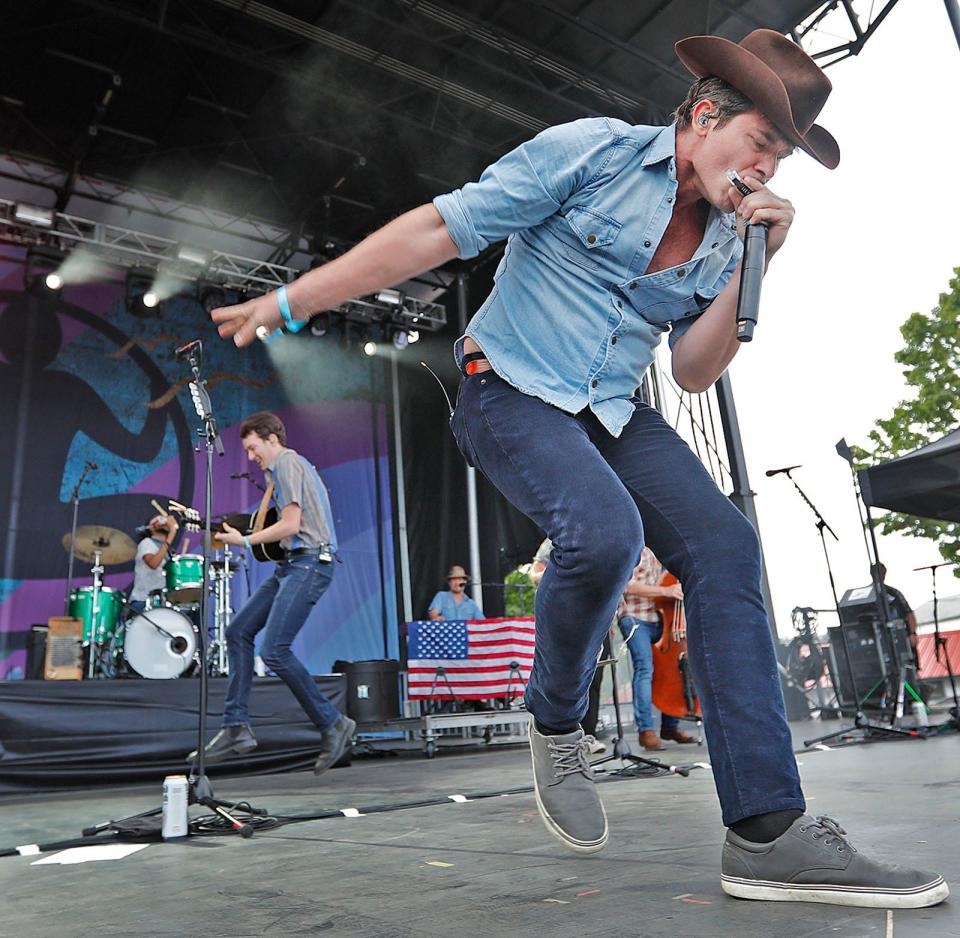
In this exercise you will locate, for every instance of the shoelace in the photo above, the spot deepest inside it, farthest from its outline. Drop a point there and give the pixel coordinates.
(830, 829)
(570, 758)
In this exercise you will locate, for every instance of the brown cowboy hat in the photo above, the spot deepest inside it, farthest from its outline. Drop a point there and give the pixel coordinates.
(457, 572)
(785, 84)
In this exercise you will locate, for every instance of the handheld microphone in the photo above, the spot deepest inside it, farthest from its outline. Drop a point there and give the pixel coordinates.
(751, 268)
(787, 469)
(185, 350)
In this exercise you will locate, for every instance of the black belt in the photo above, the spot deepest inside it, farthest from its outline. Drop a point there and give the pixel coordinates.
(323, 554)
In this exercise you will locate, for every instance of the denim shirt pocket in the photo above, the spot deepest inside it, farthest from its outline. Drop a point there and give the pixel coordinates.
(593, 231)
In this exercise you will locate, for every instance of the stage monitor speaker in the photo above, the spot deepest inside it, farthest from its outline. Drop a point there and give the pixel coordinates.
(36, 652)
(373, 689)
(871, 659)
(64, 657)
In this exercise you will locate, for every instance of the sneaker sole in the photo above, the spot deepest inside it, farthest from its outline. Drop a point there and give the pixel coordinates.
(571, 843)
(347, 740)
(234, 751)
(917, 898)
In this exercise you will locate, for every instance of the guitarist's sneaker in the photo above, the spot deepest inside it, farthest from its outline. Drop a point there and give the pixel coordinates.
(334, 743)
(812, 861)
(230, 741)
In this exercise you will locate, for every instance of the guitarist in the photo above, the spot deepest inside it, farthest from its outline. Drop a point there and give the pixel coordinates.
(282, 603)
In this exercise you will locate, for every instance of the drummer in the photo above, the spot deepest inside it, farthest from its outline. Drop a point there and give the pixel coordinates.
(152, 554)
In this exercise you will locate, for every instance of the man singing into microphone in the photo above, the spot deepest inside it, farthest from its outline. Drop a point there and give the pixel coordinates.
(616, 235)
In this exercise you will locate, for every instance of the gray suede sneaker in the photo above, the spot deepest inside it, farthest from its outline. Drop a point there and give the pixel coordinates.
(566, 794)
(812, 861)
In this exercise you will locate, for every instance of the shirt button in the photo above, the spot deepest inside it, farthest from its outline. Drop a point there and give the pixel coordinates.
(594, 383)
(613, 341)
(620, 304)
(669, 199)
(715, 244)
(591, 239)
(682, 272)
(646, 244)
(633, 286)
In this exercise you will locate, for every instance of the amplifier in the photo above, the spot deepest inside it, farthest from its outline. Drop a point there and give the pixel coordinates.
(64, 658)
(872, 660)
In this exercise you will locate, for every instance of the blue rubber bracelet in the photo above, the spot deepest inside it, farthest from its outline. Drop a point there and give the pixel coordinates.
(246, 543)
(293, 325)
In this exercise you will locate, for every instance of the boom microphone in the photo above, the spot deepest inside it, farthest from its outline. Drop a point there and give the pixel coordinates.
(185, 350)
(787, 469)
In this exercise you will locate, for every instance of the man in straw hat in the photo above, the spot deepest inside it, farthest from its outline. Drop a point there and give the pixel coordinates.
(454, 604)
(617, 234)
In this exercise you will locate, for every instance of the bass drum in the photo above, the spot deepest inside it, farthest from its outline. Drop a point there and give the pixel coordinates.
(160, 644)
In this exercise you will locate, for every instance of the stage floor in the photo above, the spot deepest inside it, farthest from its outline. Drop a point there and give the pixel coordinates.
(481, 868)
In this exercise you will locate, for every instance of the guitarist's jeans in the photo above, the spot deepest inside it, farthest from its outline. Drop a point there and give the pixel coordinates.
(281, 605)
(599, 498)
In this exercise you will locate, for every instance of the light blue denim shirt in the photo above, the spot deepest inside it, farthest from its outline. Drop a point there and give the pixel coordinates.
(572, 317)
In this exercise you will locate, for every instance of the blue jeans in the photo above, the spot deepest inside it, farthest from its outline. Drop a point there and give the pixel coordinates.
(280, 604)
(641, 653)
(600, 498)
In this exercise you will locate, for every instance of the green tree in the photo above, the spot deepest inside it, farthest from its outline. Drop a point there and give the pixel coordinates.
(520, 592)
(931, 360)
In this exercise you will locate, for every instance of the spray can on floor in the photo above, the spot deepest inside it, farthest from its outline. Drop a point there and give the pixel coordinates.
(176, 794)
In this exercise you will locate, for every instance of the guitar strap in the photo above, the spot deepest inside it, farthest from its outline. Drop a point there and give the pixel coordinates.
(262, 510)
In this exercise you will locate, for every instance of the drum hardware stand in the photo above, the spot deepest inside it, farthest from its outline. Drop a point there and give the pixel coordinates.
(941, 643)
(75, 498)
(440, 672)
(860, 721)
(93, 646)
(222, 612)
(621, 748)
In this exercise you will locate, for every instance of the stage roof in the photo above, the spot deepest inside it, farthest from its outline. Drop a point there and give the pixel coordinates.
(329, 118)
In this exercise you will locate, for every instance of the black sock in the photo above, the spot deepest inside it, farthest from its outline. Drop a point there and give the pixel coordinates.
(762, 828)
(545, 730)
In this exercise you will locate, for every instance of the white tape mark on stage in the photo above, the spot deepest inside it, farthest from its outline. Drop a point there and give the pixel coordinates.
(459, 799)
(91, 854)
(29, 850)
(889, 923)
(351, 812)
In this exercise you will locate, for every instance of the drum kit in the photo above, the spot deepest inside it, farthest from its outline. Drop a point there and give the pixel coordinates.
(161, 642)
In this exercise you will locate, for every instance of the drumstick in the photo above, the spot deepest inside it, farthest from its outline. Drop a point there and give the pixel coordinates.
(185, 546)
(158, 507)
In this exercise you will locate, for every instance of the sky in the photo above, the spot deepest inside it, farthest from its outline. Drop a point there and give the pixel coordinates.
(873, 241)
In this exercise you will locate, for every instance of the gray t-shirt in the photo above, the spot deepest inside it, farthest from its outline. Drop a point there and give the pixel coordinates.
(145, 578)
(297, 481)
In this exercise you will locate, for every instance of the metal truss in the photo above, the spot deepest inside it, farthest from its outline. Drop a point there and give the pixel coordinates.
(126, 248)
(823, 45)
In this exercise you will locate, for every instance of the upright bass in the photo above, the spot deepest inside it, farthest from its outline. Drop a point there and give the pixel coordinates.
(672, 688)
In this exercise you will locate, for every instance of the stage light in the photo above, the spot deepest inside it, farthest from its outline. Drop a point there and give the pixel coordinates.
(140, 291)
(211, 296)
(390, 297)
(41, 270)
(190, 255)
(320, 325)
(150, 299)
(33, 215)
(413, 335)
(369, 348)
(400, 340)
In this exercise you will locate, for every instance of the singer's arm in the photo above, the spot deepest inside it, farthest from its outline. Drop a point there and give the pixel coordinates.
(702, 354)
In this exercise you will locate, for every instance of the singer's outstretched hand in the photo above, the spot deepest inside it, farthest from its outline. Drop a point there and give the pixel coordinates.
(762, 205)
(242, 321)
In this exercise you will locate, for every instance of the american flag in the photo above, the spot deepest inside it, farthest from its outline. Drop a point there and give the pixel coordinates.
(476, 656)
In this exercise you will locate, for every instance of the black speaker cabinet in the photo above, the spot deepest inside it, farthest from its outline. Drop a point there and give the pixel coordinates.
(373, 689)
(871, 647)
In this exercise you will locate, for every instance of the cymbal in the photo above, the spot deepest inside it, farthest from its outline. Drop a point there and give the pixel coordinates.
(115, 547)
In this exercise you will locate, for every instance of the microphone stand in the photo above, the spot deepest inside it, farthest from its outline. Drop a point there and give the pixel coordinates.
(860, 721)
(940, 642)
(75, 498)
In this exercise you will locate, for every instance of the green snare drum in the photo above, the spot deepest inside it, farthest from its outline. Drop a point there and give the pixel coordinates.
(81, 607)
(184, 579)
